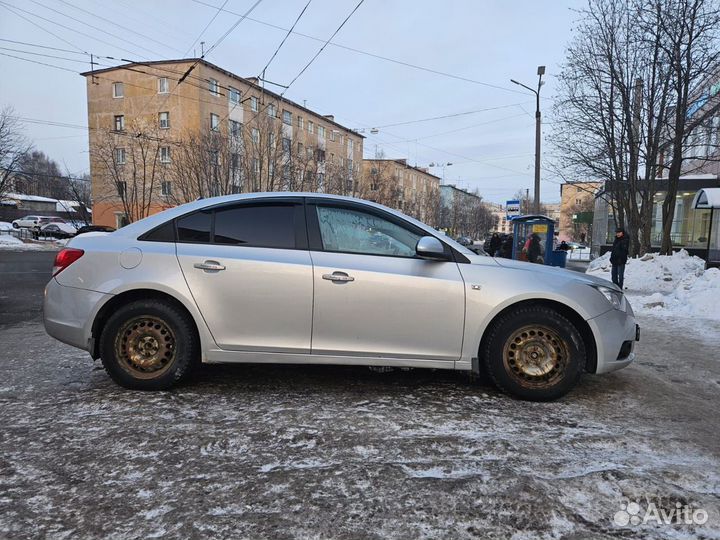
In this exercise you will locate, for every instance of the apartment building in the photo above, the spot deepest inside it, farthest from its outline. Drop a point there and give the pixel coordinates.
(395, 183)
(575, 198)
(162, 133)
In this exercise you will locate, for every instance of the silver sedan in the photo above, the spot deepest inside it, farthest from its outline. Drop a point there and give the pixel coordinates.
(320, 279)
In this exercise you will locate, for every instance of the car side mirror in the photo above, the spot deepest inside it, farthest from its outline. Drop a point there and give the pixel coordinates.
(429, 247)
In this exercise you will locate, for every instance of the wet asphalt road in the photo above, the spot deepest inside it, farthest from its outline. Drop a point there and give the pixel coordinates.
(342, 452)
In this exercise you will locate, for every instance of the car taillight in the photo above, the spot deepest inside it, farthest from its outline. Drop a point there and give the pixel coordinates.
(65, 258)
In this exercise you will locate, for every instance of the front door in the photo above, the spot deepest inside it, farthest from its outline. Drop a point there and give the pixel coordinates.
(250, 273)
(373, 296)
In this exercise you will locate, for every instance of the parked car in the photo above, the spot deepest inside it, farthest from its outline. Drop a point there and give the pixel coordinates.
(30, 222)
(58, 230)
(464, 241)
(302, 278)
(94, 228)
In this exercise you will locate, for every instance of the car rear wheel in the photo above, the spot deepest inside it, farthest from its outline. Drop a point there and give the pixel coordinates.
(15, 225)
(149, 345)
(534, 353)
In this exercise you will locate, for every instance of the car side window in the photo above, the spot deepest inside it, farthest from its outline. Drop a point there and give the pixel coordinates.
(195, 228)
(266, 225)
(354, 231)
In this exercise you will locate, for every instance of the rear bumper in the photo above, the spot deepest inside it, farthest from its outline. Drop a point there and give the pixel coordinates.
(611, 330)
(68, 313)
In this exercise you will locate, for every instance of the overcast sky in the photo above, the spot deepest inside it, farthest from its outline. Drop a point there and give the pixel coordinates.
(481, 40)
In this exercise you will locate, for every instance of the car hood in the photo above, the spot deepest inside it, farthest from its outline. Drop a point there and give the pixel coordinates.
(555, 271)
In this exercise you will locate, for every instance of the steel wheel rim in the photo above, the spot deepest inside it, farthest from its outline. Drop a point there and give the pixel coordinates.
(536, 356)
(145, 347)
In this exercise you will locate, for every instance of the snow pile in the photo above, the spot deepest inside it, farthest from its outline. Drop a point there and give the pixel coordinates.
(5, 226)
(668, 285)
(7, 240)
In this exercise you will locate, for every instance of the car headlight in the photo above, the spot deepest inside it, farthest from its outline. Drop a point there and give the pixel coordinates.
(615, 297)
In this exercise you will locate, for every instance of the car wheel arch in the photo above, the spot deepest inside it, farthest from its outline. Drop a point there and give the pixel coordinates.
(563, 309)
(126, 297)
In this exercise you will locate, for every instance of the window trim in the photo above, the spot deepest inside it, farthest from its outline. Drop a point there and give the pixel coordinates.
(167, 85)
(301, 237)
(122, 87)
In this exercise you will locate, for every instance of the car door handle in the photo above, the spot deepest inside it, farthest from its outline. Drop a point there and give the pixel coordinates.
(209, 265)
(338, 276)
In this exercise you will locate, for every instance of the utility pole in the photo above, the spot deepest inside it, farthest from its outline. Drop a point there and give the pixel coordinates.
(538, 133)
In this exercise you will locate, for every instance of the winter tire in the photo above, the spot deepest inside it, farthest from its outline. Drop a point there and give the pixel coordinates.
(534, 353)
(149, 345)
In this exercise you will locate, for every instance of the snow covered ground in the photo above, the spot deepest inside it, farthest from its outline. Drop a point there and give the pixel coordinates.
(668, 285)
(8, 241)
(5, 226)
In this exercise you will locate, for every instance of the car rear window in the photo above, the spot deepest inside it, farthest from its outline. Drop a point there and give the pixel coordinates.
(195, 227)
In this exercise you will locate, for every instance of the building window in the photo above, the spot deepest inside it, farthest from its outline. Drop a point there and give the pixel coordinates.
(166, 189)
(164, 120)
(122, 188)
(320, 156)
(119, 122)
(234, 96)
(256, 166)
(350, 167)
(214, 122)
(214, 87)
(165, 154)
(235, 128)
(300, 149)
(256, 135)
(118, 90)
(254, 104)
(311, 127)
(271, 110)
(286, 145)
(350, 145)
(287, 118)
(234, 161)
(163, 85)
(120, 156)
(214, 157)
(332, 135)
(300, 122)
(321, 131)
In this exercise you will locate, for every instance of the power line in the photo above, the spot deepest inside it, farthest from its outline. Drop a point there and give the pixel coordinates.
(360, 3)
(41, 63)
(41, 46)
(205, 29)
(6, 6)
(287, 35)
(44, 55)
(149, 38)
(233, 27)
(454, 115)
(377, 56)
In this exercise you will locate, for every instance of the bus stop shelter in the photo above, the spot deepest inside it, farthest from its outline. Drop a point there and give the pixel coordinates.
(709, 199)
(542, 228)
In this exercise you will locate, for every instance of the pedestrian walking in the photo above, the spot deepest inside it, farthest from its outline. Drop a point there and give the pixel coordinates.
(495, 244)
(619, 256)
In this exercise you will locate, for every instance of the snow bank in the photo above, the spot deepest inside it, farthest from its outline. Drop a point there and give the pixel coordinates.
(5, 226)
(668, 285)
(9, 241)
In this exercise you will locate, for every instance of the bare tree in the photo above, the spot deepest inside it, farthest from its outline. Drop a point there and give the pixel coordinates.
(13, 147)
(624, 91)
(689, 40)
(132, 167)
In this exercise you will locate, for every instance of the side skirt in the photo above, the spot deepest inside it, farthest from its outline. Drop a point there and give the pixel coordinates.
(216, 356)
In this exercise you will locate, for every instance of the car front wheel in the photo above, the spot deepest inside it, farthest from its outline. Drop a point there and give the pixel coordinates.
(534, 353)
(15, 225)
(149, 345)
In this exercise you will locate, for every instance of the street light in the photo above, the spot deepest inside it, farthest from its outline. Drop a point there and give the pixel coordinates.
(540, 72)
(443, 165)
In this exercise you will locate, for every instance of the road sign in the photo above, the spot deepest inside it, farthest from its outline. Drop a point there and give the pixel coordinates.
(512, 208)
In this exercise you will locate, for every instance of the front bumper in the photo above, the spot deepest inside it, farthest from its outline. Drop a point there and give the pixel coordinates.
(68, 313)
(611, 330)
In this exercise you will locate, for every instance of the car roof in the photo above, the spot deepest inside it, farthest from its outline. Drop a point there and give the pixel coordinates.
(139, 227)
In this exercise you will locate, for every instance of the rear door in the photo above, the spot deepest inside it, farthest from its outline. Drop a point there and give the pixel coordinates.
(250, 273)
